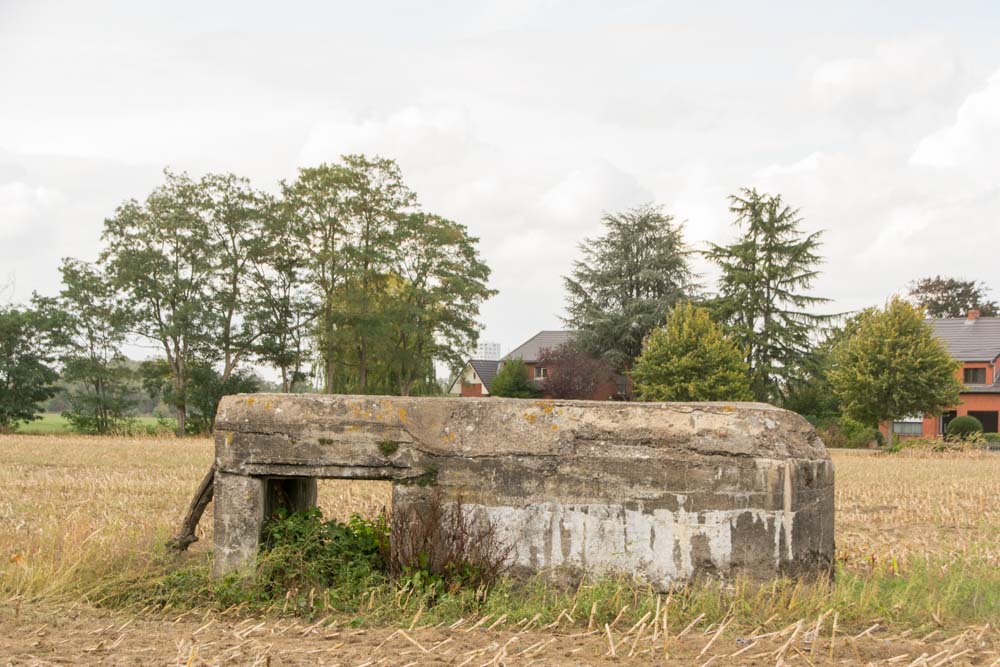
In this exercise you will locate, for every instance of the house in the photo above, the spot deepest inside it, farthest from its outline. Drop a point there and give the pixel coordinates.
(475, 378)
(974, 341)
(478, 374)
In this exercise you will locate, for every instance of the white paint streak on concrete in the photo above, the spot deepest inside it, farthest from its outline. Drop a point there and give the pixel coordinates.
(787, 515)
(604, 539)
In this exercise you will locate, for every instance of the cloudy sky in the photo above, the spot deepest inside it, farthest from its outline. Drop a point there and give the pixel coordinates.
(523, 120)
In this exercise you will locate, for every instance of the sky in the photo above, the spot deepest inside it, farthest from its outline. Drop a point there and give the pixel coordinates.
(525, 121)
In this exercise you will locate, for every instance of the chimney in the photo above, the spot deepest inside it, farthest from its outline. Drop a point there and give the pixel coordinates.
(973, 315)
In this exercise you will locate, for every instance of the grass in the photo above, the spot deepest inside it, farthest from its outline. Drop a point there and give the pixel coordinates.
(53, 423)
(83, 521)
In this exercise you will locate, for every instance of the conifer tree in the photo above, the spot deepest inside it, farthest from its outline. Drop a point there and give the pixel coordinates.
(763, 301)
(626, 282)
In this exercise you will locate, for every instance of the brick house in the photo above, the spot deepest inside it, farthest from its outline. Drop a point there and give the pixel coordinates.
(477, 375)
(974, 341)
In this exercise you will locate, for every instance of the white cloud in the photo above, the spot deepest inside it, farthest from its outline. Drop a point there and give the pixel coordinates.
(895, 77)
(973, 140)
(23, 207)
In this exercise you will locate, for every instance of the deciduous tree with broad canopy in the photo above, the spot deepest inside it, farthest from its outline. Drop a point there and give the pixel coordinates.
(26, 375)
(893, 366)
(952, 297)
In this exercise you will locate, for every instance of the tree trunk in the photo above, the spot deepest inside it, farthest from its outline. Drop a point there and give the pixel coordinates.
(185, 537)
(181, 410)
(362, 367)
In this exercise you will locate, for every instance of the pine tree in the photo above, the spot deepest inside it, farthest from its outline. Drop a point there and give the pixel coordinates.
(626, 282)
(893, 366)
(690, 359)
(762, 290)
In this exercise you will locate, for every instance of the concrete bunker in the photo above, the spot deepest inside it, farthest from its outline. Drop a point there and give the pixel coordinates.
(661, 491)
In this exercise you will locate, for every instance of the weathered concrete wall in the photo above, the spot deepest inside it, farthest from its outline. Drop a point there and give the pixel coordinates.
(664, 491)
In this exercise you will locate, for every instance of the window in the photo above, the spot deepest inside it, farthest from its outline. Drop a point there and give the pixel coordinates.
(908, 428)
(974, 376)
(988, 418)
(541, 373)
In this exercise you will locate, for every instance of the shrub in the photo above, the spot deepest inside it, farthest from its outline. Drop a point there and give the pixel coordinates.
(301, 551)
(513, 382)
(439, 547)
(691, 359)
(991, 438)
(964, 426)
(843, 431)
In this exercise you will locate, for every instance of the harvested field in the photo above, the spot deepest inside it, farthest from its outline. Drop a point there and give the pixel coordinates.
(82, 519)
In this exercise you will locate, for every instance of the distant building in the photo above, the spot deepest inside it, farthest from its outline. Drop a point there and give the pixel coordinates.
(488, 350)
(477, 376)
(974, 341)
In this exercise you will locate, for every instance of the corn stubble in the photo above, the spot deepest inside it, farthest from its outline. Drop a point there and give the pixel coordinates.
(83, 521)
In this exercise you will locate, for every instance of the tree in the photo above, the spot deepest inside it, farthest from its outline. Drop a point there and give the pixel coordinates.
(893, 366)
(375, 200)
(26, 377)
(573, 373)
(158, 255)
(235, 216)
(314, 207)
(206, 387)
(88, 325)
(281, 302)
(762, 301)
(512, 381)
(952, 297)
(808, 390)
(626, 281)
(182, 260)
(691, 359)
(396, 288)
(439, 284)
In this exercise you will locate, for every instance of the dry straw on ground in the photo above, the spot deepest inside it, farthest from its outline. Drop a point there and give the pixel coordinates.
(76, 513)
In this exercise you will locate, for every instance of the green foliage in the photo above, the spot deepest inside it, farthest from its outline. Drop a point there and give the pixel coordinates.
(513, 381)
(388, 447)
(626, 281)
(893, 366)
(964, 426)
(158, 255)
(203, 389)
(26, 376)
(762, 290)
(951, 297)
(88, 324)
(842, 431)
(808, 390)
(397, 288)
(690, 359)
(301, 551)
